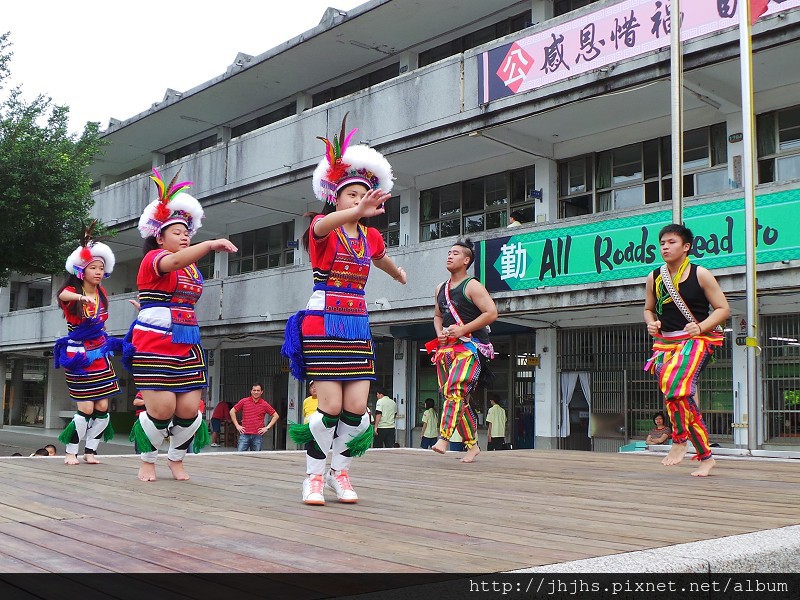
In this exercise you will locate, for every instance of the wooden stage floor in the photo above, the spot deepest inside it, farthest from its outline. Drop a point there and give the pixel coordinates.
(419, 512)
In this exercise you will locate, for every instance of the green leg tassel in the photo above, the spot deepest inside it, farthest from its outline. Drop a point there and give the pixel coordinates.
(108, 432)
(362, 442)
(300, 433)
(201, 438)
(65, 437)
(140, 437)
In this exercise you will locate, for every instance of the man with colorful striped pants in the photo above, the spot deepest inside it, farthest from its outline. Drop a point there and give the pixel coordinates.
(461, 351)
(685, 333)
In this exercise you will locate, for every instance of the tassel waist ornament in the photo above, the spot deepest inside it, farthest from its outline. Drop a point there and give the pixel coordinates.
(345, 314)
(95, 341)
(665, 348)
(185, 329)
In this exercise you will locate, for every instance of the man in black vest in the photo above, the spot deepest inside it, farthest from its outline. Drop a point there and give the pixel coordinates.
(677, 314)
(464, 310)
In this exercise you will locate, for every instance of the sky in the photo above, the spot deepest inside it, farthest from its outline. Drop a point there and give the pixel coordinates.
(108, 59)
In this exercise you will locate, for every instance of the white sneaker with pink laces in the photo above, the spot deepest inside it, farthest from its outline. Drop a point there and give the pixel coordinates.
(340, 483)
(313, 488)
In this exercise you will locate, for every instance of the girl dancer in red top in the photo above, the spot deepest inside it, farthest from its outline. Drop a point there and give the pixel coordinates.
(84, 352)
(169, 364)
(330, 341)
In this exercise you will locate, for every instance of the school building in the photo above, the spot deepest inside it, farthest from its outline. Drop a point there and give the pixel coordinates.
(557, 108)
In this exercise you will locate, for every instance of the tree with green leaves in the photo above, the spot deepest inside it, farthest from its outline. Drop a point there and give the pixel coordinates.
(45, 189)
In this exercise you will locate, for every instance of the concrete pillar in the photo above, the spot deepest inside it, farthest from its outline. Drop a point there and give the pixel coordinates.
(17, 391)
(547, 181)
(156, 159)
(401, 392)
(739, 383)
(408, 61)
(22, 296)
(541, 11)
(5, 299)
(3, 398)
(296, 393)
(223, 134)
(300, 225)
(303, 102)
(409, 217)
(547, 390)
(56, 398)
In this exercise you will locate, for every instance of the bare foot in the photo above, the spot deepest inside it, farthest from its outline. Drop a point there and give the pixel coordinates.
(705, 468)
(440, 447)
(90, 458)
(676, 454)
(178, 472)
(472, 454)
(147, 471)
(71, 459)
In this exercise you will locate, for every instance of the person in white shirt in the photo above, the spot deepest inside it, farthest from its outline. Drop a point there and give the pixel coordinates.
(385, 413)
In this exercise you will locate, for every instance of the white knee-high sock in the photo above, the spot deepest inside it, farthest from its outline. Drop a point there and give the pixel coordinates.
(155, 434)
(322, 427)
(182, 433)
(342, 459)
(81, 421)
(94, 434)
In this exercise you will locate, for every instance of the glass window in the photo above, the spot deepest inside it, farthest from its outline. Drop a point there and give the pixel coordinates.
(476, 38)
(264, 248)
(778, 144)
(477, 205)
(389, 222)
(650, 162)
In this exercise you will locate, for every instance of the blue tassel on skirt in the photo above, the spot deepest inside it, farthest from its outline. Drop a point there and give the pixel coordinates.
(347, 327)
(293, 345)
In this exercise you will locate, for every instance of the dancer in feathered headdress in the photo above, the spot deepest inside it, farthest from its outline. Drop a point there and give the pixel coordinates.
(84, 352)
(330, 341)
(169, 365)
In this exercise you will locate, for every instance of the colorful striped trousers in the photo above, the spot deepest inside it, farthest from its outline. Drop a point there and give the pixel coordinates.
(677, 362)
(458, 369)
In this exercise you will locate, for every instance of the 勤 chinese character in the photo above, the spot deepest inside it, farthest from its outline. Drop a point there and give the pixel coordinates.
(513, 261)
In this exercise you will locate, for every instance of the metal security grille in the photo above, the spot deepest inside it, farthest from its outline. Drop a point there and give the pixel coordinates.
(242, 367)
(781, 375)
(625, 397)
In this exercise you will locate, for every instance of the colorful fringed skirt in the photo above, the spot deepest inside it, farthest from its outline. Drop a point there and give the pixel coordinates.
(94, 382)
(332, 358)
(159, 364)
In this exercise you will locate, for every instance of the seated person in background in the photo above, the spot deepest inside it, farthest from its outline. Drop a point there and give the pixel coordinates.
(660, 433)
(41, 452)
(221, 414)
(515, 219)
(51, 449)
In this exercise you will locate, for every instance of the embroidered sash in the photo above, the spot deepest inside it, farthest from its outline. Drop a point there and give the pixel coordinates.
(486, 349)
(666, 281)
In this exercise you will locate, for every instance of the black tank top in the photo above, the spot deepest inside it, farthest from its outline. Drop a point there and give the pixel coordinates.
(464, 307)
(672, 319)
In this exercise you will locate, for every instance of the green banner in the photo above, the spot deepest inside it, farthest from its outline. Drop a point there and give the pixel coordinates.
(627, 247)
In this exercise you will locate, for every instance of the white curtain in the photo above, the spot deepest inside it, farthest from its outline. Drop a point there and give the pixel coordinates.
(569, 379)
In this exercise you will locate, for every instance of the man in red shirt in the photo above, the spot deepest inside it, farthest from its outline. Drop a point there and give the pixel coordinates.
(253, 409)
